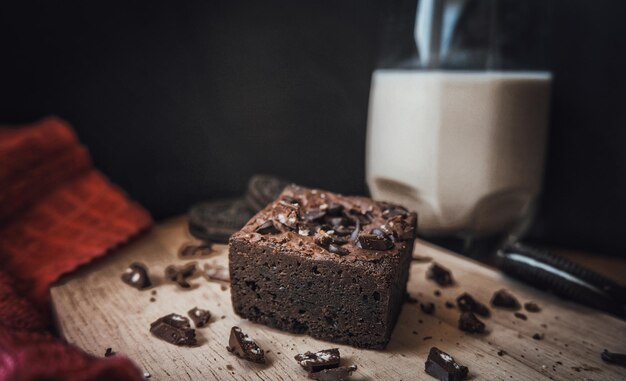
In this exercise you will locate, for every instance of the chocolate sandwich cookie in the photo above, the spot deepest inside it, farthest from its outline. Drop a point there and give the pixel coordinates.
(216, 221)
(263, 189)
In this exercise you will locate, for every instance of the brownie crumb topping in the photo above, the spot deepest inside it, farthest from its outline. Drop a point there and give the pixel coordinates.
(336, 227)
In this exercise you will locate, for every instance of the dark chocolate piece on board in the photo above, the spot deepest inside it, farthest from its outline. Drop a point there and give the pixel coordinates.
(468, 322)
(467, 303)
(263, 189)
(181, 274)
(244, 347)
(538, 336)
(335, 374)
(505, 299)
(314, 362)
(199, 316)
(136, 275)
(428, 308)
(532, 307)
(614, 358)
(440, 275)
(443, 367)
(217, 220)
(174, 329)
(109, 352)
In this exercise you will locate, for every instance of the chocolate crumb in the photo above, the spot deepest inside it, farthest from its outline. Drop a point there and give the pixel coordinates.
(440, 275)
(428, 308)
(109, 352)
(437, 293)
(467, 303)
(136, 275)
(468, 322)
(501, 352)
(520, 316)
(193, 249)
(229, 367)
(538, 336)
(504, 299)
(532, 307)
(152, 299)
(199, 316)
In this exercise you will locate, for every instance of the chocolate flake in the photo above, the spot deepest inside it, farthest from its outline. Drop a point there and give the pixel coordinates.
(136, 275)
(613, 358)
(337, 249)
(267, 227)
(244, 347)
(467, 303)
(199, 316)
(428, 308)
(504, 299)
(532, 307)
(335, 374)
(440, 275)
(314, 362)
(442, 366)
(175, 329)
(468, 322)
(314, 214)
(109, 352)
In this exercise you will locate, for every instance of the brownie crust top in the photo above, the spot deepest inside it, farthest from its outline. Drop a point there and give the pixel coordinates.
(322, 225)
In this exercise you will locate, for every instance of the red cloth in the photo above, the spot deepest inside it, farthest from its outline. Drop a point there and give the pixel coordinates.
(56, 213)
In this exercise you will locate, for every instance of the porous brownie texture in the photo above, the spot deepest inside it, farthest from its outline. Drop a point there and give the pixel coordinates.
(330, 266)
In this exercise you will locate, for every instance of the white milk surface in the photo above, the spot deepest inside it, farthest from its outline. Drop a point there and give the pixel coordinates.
(464, 149)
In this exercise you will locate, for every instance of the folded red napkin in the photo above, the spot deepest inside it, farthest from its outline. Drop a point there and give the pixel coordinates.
(56, 213)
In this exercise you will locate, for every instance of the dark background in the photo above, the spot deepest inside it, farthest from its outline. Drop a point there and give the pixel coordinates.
(183, 101)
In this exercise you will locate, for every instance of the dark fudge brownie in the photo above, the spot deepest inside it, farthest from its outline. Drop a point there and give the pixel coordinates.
(330, 266)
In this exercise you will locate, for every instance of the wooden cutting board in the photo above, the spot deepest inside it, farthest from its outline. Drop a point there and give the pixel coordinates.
(95, 310)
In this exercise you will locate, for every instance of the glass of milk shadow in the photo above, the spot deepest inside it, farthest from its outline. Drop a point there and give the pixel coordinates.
(458, 114)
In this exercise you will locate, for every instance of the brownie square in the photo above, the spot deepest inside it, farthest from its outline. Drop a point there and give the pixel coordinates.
(330, 266)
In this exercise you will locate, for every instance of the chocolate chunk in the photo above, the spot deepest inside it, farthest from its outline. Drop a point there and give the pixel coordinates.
(109, 352)
(614, 358)
(193, 249)
(428, 308)
(286, 215)
(217, 220)
(440, 275)
(314, 214)
(199, 316)
(335, 374)
(267, 227)
(174, 329)
(443, 367)
(532, 307)
(395, 211)
(520, 316)
(338, 240)
(181, 274)
(244, 347)
(136, 275)
(467, 303)
(214, 272)
(399, 229)
(468, 322)
(335, 249)
(504, 299)
(314, 362)
(373, 242)
(538, 336)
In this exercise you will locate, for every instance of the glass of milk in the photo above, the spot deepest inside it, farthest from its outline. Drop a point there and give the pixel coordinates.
(458, 113)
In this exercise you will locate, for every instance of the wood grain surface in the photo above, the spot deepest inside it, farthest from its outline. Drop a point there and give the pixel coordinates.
(95, 310)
